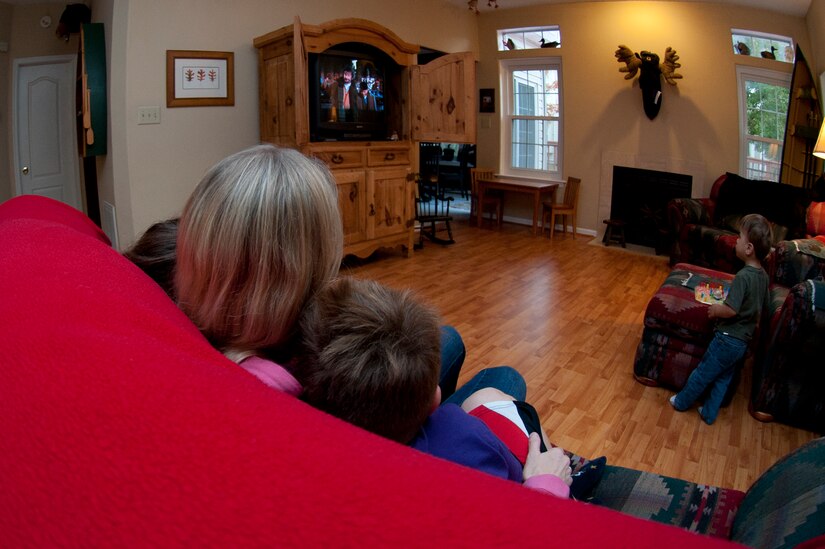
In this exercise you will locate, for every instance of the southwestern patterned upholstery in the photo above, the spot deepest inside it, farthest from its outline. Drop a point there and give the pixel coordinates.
(677, 330)
(788, 347)
(789, 377)
(704, 230)
(783, 508)
(798, 260)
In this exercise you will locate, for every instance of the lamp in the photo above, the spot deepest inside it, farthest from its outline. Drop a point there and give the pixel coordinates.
(819, 148)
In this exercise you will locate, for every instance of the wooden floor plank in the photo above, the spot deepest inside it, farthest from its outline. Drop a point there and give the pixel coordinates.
(568, 314)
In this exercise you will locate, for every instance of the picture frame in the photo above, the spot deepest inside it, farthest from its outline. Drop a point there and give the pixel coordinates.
(200, 78)
(487, 100)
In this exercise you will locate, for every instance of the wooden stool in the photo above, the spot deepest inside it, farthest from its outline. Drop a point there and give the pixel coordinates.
(614, 232)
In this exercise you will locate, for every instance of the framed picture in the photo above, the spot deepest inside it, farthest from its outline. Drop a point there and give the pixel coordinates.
(200, 78)
(487, 100)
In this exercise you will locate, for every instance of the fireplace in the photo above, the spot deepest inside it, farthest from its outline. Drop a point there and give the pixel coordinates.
(640, 197)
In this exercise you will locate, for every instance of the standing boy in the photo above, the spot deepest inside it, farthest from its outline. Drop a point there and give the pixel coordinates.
(737, 319)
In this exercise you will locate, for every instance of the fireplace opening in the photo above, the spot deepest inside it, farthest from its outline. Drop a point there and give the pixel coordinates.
(640, 197)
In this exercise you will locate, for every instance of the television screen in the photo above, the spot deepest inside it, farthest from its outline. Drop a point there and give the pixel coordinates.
(347, 93)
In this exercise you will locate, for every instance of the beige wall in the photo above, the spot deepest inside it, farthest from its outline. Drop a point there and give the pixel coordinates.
(20, 28)
(603, 115)
(152, 169)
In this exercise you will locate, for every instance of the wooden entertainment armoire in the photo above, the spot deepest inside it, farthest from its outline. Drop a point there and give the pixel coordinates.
(376, 189)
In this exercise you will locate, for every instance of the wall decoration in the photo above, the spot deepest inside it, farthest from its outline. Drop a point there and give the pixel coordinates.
(200, 78)
(651, 73)
(487, 100)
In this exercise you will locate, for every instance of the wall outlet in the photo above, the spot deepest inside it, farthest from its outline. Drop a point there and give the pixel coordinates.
(148, 115)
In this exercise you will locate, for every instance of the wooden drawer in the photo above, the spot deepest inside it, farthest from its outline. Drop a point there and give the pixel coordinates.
(340, 158)
(396, 156)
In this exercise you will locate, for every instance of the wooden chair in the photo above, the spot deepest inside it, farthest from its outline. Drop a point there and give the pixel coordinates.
(491, 201)
(566, 207)
(431, 209)
(430, 163)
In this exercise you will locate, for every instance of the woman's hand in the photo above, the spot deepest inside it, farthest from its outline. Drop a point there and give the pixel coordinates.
(552, 462)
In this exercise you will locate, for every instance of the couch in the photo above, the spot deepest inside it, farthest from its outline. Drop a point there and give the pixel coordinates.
(122, 426)
(703, 231)
(785, 507)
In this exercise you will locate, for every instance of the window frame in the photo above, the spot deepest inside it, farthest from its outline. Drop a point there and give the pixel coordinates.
(765, 76)
(506, 69)
(786, 40)
(553, 31)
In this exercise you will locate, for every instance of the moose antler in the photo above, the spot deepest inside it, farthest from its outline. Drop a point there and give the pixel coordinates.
(669, 66)
(632, 60)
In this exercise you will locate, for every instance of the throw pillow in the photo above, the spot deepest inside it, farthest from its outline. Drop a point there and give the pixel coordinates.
(815, 218)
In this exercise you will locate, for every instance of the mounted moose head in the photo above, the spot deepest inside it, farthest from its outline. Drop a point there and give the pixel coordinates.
(651, 70)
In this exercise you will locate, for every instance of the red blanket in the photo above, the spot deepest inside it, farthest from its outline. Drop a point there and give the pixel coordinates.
(120, 425)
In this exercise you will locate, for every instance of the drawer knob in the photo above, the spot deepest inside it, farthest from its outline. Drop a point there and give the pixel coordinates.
(389, 156)
(353, 193)
(337, 158)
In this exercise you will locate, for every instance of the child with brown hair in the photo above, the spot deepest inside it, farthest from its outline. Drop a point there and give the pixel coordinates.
(368, 357)
(737, 319)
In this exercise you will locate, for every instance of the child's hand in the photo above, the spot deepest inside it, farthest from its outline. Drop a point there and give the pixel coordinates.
(552, 462)
(720, 310)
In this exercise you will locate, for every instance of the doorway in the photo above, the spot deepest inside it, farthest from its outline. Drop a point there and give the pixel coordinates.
(44, 139)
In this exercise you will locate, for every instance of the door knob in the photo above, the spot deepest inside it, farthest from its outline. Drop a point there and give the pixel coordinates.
(25, 170)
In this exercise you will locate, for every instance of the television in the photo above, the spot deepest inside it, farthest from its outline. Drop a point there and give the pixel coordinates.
(347, 93)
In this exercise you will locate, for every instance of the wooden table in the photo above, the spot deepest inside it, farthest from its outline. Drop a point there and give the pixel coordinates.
(512, 184)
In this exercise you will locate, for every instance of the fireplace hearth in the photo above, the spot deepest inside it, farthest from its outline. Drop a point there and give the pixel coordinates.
(640, 198)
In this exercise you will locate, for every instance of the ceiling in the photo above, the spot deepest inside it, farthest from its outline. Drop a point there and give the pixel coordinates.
(798, 8)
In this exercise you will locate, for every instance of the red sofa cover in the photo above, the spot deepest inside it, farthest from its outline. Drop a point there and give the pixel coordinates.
(121, 426)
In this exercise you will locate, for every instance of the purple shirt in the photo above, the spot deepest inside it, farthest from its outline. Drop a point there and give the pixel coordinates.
(452, 434)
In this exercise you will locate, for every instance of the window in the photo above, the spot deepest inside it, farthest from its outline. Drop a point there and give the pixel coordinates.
(531, 116)
(760, 44)
(529, 38)
(763, 111)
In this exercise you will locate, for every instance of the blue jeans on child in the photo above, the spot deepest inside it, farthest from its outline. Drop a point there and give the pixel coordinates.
(716, 371)
(452, 358)
(453, 352)
(503, 378)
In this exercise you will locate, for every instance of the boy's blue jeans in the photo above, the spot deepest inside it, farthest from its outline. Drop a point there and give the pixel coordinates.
(716, 371)
(503, 378)
(452, 358)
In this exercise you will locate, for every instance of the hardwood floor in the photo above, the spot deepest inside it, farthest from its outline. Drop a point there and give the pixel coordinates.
(568, 316)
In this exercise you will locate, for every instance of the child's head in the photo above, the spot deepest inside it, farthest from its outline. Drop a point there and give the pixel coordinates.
(758, 232)
(154, 253)
(370, 355)
(260, 234)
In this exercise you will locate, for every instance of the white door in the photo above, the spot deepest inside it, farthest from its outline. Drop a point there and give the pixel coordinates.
(45, 139)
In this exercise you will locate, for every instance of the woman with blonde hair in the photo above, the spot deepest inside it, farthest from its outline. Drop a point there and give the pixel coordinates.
(259, 236)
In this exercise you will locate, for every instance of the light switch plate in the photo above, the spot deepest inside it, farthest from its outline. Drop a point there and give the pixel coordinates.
(148, 115)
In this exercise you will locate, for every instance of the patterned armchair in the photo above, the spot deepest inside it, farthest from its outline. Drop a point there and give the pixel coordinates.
(703, 231)
(789, 378)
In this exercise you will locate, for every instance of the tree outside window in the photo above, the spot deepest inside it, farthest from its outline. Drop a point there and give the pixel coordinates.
(764, 97)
